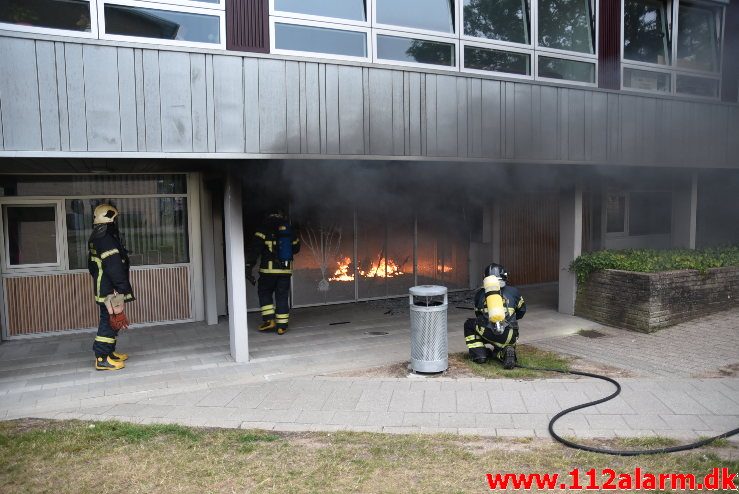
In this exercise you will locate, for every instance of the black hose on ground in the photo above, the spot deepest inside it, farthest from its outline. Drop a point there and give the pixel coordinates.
(585, 447)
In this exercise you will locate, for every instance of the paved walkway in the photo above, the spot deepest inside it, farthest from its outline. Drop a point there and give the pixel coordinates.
(183, 374)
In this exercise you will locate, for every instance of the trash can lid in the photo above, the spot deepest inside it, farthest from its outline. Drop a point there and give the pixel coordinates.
(427, 290)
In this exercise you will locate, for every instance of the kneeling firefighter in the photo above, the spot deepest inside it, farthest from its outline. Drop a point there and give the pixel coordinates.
(276, 242)
(107, 261)
(498, 307)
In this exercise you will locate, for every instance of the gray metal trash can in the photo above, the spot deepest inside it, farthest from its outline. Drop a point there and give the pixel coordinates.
(429, 344)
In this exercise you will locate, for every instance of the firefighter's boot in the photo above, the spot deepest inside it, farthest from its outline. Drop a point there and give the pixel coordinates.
(106, 363)
(509, 357)
(267, 325)
(118, 357)
(282, 329)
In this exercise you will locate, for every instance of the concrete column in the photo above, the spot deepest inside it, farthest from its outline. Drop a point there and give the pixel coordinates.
(209, 264)
(570, 244)
(236, 270)
(684, 213)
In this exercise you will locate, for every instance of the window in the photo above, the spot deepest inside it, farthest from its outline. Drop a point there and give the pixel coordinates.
(568, 70)
(176, 25)
(48, 15)
(697, 38)
(410, 50)
(486, 59)
(566, 25)
(427, 15)
(500, 20)
(315, 39)
(646, 37)
(650, 213)
(615, 213)
(647, 80)
(682, 37)
(31, 235)
(153, 229)
(353, 10)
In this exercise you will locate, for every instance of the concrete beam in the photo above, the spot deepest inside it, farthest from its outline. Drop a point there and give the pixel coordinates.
(570, 245)
(236, 270)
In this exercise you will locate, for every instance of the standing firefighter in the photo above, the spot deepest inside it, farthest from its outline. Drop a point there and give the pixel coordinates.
(275, 243)
(498, 308)
(108, 264)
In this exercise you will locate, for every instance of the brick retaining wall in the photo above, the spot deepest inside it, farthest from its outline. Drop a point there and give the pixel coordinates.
(647, 302)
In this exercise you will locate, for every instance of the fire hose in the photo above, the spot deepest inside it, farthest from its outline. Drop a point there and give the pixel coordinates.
(585, 447)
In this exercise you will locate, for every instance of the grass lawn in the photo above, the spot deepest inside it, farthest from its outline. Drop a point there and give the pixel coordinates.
(76, 457)
(527, 355)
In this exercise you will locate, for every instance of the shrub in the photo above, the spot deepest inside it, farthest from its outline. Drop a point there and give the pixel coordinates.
(652, 261)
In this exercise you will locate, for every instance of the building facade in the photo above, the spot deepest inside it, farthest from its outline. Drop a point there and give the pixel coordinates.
(414, 141)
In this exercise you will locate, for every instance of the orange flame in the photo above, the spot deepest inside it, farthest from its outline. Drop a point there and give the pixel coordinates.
(384, 268)
(342, 273)
(444, 269)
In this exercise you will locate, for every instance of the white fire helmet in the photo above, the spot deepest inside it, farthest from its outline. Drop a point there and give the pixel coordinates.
(104, 213)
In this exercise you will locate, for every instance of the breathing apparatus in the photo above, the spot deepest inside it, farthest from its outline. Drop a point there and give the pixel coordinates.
(495, 276)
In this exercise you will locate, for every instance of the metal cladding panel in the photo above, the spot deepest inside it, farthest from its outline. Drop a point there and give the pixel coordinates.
(102, 98)
(609, 44)
(381, 120)
(127, 98)
(90, 99)
(199, 108)
(176, 102)
(19, 99)
(247, 25)
(48, 97)
(162, 294)
(351, 114)
(228, 97)
(272, 107)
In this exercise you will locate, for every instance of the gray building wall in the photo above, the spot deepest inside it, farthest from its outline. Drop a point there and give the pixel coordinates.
(97, 99)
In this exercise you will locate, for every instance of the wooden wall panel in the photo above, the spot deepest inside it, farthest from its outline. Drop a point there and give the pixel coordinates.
(529, 246)
(247, 25)
(162, 294)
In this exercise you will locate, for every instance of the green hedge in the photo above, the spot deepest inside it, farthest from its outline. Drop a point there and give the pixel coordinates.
(651, 261)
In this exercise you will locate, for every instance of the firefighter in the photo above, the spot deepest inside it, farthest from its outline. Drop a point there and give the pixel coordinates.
(276, 242)
(498, 307)
(108, 264)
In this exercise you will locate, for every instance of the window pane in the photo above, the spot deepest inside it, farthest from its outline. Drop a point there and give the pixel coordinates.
(73, 15)
(697, 39)
(566, 25)
(91, 185)
(320, 40)
(645, 31)
(31, 235)
(615, 213)
(568, 70)
(503, 20)
(153, 229)
(433, 15)
(415, 50)
(643, 79)
(343, 9)
(496, 60)
(697, 86)
(650, 213)
(161, 24)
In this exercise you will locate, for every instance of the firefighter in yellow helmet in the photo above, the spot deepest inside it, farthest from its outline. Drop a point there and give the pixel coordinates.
(498, 307)
(108, 264)
(275, 243)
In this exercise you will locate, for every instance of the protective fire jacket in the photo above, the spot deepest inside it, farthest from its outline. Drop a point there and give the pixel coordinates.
(264, 246)
(513, 303)
(107, 261)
